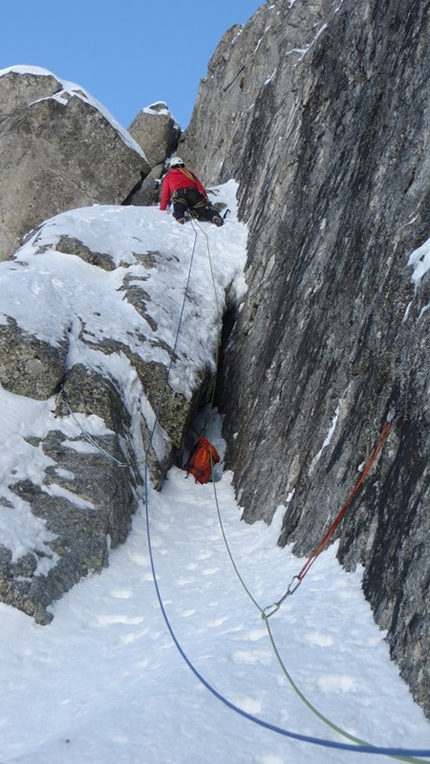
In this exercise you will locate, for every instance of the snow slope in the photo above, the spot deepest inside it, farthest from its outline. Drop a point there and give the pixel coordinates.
(105, 682)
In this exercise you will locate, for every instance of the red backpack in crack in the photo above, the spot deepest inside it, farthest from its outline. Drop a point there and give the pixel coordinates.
(202, 456)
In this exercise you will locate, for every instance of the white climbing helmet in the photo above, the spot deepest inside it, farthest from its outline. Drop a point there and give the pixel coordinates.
(177, 162)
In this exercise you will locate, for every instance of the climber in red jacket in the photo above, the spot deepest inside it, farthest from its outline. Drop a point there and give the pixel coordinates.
(183, 189)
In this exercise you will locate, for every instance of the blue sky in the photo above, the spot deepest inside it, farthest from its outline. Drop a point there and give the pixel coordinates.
(126, 54)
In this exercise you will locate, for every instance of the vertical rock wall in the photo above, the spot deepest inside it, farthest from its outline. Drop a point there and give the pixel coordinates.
(321, 111)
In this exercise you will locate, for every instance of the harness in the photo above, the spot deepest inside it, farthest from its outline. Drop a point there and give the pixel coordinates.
(180, 197)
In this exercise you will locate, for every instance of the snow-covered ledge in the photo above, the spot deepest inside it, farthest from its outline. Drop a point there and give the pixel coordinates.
(103, 302)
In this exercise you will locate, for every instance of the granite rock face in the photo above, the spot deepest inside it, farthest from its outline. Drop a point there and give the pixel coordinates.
(29, 366)
(58, 150)
(321, 111)
(84, 503)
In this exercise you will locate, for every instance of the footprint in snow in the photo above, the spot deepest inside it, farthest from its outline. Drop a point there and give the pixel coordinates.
(121, 594)
(335, 683)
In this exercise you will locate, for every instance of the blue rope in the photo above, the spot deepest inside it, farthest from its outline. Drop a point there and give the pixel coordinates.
(173, 352)
(245, 714)
(163, 390)
(260, 722)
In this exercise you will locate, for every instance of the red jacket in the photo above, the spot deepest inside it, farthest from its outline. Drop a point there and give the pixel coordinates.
(176, 178)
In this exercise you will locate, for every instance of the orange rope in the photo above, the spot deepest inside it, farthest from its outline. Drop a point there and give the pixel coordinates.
(297, 580)
(324, 541)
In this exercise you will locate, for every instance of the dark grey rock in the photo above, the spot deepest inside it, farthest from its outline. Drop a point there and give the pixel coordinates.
(321, 112)
(149, 191)
(72, 246)
(29, 366)
(86, 500)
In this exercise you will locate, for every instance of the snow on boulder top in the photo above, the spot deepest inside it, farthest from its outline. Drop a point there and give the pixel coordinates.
(72, 89)
(157, 108)
(160, 108)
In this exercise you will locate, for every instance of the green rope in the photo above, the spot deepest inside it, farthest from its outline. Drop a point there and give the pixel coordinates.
(284, 669)
(89, 437)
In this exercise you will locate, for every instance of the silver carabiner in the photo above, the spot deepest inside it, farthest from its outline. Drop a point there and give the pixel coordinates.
(292, 586)
(270, 610)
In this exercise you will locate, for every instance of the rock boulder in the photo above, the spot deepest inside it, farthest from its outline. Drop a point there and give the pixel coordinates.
(59, 149)
(156, 131)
